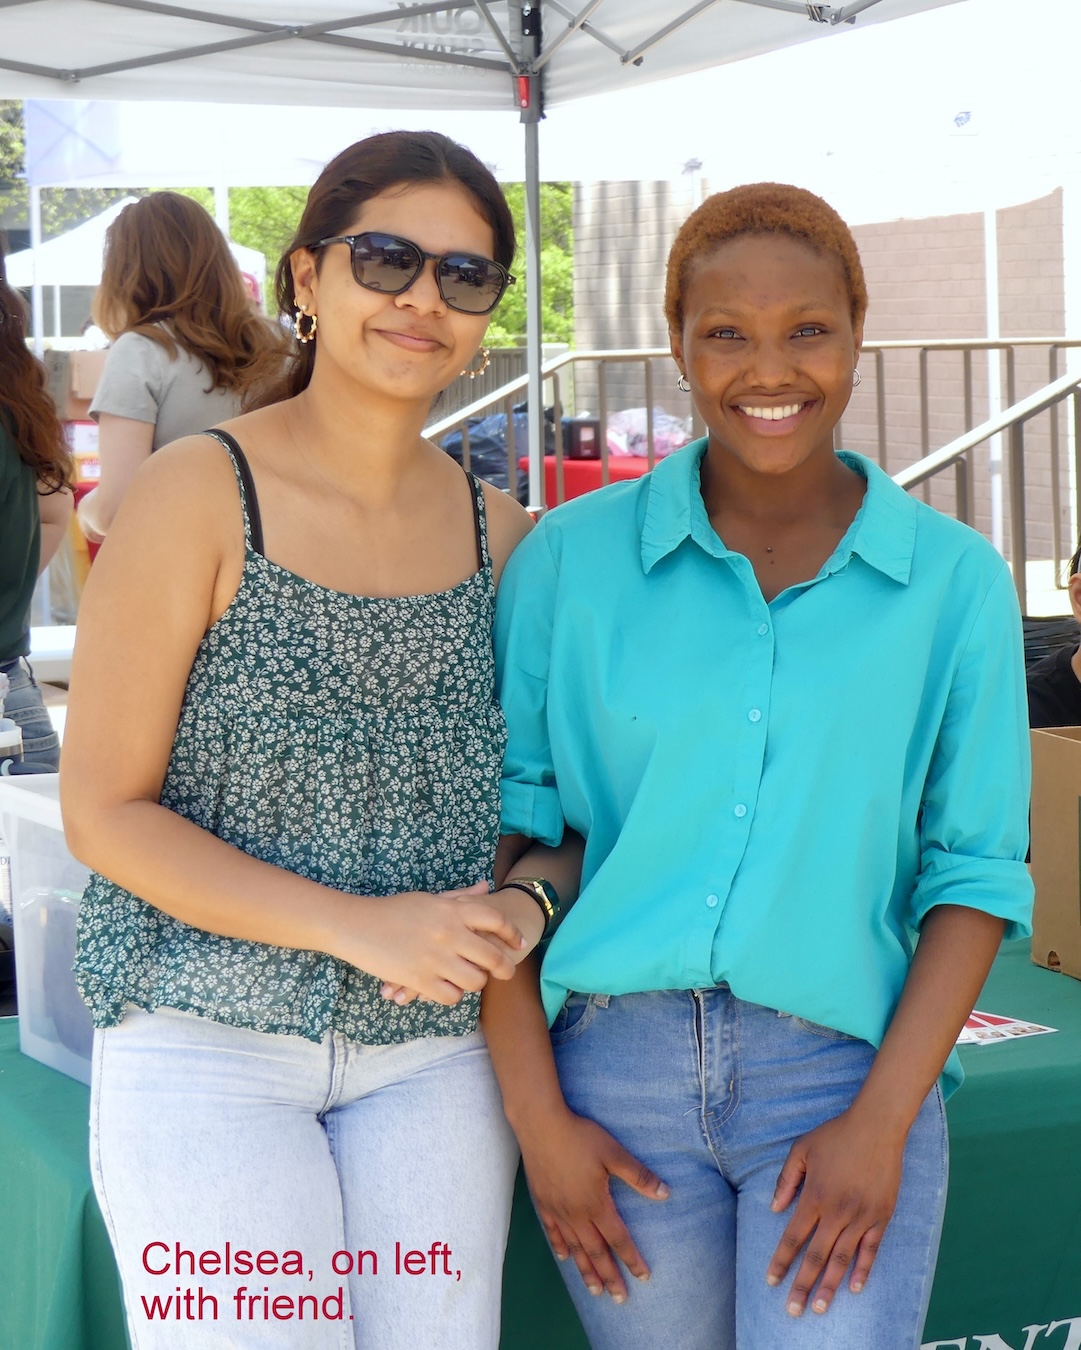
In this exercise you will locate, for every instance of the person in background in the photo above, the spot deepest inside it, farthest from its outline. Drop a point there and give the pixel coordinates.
(737, 1091)
(186, 338)
(35, 507)
(1054, 683)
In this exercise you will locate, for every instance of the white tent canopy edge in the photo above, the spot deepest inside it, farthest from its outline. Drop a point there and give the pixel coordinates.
(475, 54)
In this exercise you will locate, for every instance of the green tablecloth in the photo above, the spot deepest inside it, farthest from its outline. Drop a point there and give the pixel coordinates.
(1011, 1251)
(58, 1284)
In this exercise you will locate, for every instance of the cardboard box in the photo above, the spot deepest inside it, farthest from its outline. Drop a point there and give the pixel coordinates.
(73, 380)
(1056, 848)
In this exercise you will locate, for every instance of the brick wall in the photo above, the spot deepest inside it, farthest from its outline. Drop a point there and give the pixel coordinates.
(622, 233)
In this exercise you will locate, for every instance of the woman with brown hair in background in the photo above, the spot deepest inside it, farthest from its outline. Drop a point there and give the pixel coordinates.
(186, 337)
(35, 507)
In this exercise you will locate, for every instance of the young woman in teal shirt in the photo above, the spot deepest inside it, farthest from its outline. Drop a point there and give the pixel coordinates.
(783, 704)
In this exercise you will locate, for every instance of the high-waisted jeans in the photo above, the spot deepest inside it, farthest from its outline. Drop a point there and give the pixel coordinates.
(386, 1170)
(711, 1092)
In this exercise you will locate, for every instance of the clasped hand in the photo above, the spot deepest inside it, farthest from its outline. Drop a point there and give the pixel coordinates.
(439, 947)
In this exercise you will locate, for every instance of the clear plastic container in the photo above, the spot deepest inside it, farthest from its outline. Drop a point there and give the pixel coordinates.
(46, 887)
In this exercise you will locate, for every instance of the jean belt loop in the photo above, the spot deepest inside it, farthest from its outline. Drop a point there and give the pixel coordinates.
(601, 1000)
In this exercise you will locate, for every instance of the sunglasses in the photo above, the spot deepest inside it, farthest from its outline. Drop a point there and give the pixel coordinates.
(385, 262)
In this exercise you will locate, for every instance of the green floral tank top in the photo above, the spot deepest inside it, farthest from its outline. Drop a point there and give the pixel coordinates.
(355, 741)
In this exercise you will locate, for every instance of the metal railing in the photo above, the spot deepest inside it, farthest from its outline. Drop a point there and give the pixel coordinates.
(955, 369)
(924, 349)
(504, 399)
(1011, 422)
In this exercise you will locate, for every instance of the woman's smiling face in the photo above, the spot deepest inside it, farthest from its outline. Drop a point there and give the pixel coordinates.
(768, 347)
(410, 345)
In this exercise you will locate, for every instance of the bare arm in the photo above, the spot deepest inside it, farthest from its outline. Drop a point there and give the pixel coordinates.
(173, 565)
(124, 445)
(54, 508)
(847, 1172)
(569, 1160)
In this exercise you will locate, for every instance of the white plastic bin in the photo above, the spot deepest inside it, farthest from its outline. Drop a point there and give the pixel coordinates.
(46, 886)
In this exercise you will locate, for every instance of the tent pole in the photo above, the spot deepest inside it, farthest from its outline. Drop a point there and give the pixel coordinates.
(533, 327)
(221, 207)
(37, 307)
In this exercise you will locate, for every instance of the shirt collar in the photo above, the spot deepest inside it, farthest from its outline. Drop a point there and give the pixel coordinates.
(883, 532)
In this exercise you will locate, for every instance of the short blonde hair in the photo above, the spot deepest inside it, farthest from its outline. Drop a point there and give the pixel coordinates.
(763, 208)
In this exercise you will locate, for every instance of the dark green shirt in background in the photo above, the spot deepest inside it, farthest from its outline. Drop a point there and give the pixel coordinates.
(20, 548)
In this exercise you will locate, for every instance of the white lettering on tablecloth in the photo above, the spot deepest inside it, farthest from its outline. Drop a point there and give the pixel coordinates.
(1039, 1336)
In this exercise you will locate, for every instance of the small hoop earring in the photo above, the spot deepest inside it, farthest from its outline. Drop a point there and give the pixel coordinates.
(857, 378)
(485, 361)
(298, 329)
(681, 383)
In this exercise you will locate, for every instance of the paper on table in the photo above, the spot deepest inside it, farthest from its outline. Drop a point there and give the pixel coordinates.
(982, 1028)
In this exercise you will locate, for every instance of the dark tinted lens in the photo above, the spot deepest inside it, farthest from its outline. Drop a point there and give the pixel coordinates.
(382, 262)
(470, 284)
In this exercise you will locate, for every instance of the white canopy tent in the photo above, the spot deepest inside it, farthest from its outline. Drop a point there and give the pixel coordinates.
(476, 54)
(74, 258)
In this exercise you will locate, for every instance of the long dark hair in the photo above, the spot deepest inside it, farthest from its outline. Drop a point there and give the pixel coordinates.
(364, 170)
(169, 275)
(25, 406)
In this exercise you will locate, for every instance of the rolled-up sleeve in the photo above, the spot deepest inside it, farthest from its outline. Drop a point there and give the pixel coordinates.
(974, 819)
(523, 644)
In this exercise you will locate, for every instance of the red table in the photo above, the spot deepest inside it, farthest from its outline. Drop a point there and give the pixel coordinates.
(583, 475)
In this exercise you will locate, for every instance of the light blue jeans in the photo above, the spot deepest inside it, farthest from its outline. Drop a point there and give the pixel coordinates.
(387, 1170)
(711, 1092)
(24, 705)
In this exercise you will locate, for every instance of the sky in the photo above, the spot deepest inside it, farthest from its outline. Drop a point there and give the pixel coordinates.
(961, 108)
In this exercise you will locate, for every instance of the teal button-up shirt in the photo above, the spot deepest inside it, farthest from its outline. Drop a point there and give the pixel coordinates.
(772, 795)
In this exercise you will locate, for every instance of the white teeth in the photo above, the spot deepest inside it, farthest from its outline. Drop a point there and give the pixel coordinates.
(772, 414)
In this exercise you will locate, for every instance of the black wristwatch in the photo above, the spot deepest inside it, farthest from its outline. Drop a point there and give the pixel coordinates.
(545, 895)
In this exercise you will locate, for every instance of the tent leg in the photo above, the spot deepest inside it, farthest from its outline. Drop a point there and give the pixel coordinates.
(534, 329)
(37, 305)
(221, 207)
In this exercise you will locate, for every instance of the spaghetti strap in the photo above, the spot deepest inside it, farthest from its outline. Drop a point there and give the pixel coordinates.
(480, 520)
(249, 502)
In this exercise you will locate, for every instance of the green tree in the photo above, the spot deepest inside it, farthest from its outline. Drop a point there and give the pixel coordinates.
(265, 218)
(557, 269)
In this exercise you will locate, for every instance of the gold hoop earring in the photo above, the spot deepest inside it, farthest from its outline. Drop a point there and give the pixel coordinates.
(485, 361)
(298, 329)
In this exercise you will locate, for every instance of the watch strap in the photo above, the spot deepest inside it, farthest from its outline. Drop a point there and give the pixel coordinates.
(544, 893)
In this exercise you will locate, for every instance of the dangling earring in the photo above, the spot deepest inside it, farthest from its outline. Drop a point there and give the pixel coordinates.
(485, 361)
(857, 378)
(681, 383)
(298, 330)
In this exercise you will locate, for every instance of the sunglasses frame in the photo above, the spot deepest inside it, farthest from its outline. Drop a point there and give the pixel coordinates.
(425, 256)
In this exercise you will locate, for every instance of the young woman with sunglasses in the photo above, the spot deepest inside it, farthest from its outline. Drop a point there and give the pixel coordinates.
(783, 702)
(297, 801)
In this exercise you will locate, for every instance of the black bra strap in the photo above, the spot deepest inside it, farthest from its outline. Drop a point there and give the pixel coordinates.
(480, 520)
(253, 521)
